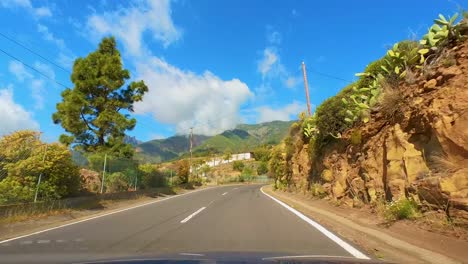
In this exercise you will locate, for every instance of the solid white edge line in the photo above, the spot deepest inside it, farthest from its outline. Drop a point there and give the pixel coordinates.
(353, 251)
(307, 256)
(101, 215)
(192, 215)
(191, 254)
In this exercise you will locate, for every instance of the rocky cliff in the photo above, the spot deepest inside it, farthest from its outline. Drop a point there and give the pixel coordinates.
(416, 145)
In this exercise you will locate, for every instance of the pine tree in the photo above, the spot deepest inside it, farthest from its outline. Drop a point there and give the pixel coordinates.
(95, 112)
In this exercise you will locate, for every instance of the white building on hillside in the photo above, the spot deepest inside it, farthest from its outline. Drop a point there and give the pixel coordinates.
(241, 156)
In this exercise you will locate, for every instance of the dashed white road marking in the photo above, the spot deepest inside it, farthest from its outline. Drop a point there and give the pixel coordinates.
(224, 193)
(353, 251)
(192, 215)
(102, 215)
(43, 241)
(191, 254)
(79, 240)
(60, 241)
(27, 242)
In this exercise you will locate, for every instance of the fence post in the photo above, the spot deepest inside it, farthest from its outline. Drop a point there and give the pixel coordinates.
(40, 174)
(104, 173)
(136, 181)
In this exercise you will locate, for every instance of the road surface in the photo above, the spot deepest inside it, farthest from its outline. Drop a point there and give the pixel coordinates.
(220, 219)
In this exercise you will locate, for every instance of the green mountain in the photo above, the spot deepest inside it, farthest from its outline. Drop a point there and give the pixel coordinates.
(243, 138)
(159, 150)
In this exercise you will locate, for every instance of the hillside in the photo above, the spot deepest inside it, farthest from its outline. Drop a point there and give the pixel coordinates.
(396, 140)
(243, 138)
(159, 150)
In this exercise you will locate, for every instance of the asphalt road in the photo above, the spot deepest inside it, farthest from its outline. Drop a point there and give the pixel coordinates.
(220, 219)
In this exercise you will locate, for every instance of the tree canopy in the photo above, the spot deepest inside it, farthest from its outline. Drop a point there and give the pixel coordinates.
(23, 157)
(95, 112)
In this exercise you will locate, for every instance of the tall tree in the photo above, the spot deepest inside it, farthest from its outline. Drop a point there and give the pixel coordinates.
(96, 110)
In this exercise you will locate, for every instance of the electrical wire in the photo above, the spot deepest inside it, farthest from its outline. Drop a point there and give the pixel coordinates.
(32, 68)
(33, 52)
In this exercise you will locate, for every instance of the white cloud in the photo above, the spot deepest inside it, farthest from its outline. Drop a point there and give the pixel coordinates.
(50, 37)
(268, 62)
(187, 99)
(16, 3)
(270, 65)
(38, 12)
(35, 84)
(45, 68)
(274, 37)
(14, 116)
(42, 12)
(292, 82)
(17, 69)
(37, 93)
(286, 113)
(129, 24)
(65, 56)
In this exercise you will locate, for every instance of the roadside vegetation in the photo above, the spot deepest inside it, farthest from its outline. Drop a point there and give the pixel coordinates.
(93, 156)
(338, 151)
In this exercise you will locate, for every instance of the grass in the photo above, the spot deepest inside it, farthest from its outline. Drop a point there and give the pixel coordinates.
(402, 209)
(444, 163)
(390, 101)
(317, 190)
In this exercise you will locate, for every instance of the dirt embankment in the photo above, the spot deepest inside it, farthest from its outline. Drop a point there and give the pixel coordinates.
(400, 242)
(416, 146)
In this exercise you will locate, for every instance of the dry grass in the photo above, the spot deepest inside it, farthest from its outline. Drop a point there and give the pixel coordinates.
(390, 101)
(448, 60)
(31, 217)
(410, 77)
(444, 163)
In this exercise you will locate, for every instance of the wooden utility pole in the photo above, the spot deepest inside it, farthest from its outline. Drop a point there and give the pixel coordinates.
(306, 86)
(191, 144)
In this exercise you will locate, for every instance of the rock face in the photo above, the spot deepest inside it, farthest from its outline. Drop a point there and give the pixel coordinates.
(397, 157)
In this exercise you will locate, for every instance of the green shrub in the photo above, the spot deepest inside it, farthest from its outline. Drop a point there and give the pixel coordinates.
(262, 153)
(295, 127)
(262, 168)
(116, 182)
(183, 170)
(238, 165)
(401, 209)
(330, 119)
(317, 190)
(276, 166)
(21, 162)
(151, 177)
(247, 171)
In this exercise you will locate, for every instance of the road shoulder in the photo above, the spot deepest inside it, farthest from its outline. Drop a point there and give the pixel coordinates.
(52, 220)
(378, 241)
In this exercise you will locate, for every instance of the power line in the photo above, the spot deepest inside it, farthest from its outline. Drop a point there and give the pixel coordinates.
(35, 53)
(34, 69)
(330, 76)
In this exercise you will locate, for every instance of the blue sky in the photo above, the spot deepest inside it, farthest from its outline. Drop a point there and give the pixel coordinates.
(208, 64)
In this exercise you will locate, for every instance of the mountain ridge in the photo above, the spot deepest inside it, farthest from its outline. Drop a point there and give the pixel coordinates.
(244, 137)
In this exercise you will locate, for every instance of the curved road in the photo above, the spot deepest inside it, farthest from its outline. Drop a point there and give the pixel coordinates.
(221, 219)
